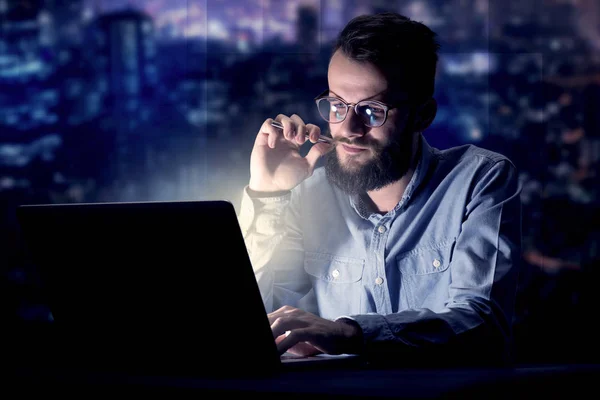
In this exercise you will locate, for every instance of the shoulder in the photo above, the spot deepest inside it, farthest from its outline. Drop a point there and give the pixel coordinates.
(471, 157)
(473, 168)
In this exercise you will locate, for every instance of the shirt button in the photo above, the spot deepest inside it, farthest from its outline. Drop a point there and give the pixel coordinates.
(381, 229)
(335, 273)
(379, 280)
(436, 263)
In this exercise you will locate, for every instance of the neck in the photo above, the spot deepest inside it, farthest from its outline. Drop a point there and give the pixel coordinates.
(385, 199)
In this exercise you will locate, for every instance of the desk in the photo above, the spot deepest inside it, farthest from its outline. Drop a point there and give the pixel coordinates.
(464, 383)
(29, 371)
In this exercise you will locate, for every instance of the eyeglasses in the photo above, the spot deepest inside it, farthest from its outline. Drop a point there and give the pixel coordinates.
(334, 110)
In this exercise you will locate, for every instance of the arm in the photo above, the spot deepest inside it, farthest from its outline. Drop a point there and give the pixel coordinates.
(267, 217)
(274, 241)
(267, 223)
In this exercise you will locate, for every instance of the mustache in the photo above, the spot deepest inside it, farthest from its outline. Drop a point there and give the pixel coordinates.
(394, 144)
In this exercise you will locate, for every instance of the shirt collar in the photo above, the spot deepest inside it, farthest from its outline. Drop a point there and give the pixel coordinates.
(425, 155)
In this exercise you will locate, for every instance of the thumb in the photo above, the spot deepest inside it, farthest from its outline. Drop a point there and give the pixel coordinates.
(317, 151)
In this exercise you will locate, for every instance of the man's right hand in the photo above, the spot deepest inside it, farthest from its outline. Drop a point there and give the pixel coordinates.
(276, 163)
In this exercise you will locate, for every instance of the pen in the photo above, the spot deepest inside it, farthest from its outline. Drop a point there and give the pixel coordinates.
(323, 139)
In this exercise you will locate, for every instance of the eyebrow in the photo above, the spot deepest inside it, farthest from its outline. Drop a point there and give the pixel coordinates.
(368, 98)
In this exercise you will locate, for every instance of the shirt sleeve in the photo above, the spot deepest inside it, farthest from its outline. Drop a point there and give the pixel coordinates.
(476, 322)
(274, 243)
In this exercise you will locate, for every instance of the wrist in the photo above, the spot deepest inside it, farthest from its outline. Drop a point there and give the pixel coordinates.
(354, 335)
(265, 193)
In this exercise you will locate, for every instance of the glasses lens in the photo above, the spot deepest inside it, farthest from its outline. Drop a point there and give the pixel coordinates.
(372, 114)
(331, 109)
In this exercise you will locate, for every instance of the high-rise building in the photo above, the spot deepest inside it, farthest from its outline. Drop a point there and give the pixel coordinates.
(122, 45)
(307, 28)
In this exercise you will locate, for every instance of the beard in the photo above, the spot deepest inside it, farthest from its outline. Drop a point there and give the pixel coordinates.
(390, 162)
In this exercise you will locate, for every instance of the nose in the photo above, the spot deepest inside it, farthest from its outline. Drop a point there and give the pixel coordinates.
(352, 126)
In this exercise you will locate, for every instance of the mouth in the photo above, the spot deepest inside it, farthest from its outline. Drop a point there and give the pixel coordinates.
(352, 149)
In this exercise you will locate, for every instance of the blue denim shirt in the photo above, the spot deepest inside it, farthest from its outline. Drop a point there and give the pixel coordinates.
(443, 262)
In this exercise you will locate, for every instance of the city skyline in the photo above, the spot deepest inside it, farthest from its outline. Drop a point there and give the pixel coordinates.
(214, 19)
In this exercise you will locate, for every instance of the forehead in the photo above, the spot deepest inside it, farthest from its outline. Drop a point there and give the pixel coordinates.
(354, 80)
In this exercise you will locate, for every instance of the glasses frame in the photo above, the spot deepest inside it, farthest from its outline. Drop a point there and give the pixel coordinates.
(386, 108)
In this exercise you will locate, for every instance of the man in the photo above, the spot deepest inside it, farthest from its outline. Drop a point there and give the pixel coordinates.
(392, 249)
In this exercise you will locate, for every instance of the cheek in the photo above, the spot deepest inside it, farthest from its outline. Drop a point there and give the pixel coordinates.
(387, 131)
(333, 129)
(397, 122)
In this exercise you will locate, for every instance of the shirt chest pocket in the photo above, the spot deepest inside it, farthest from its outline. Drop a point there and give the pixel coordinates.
(337, 283)
(425, 276)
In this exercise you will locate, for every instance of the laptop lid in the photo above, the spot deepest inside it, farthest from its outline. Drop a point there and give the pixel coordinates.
(150, 287)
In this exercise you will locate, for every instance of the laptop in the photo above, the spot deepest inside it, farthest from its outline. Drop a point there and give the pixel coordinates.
(160, 288)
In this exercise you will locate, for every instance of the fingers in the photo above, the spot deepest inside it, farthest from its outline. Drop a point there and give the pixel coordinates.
(268, 134)
(285, 319)
(313, 132)
(294, 130)
(294, 339)
(298, 330)
(300, 129)
(294, 345)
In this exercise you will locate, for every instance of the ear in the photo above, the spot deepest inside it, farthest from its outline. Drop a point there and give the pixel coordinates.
(425, 115)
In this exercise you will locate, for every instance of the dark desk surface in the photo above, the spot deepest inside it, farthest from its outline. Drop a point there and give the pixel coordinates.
(475, 383)
(27, 371)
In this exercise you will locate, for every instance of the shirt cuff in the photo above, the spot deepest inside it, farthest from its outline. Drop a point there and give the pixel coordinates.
(261, 195)
(374, 327)
(264, 212)
(358, 344)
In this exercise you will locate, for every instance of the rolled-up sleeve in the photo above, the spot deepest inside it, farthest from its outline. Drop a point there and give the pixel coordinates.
(274, 243)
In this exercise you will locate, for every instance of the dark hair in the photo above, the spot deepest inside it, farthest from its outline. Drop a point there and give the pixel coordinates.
(404, 50)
